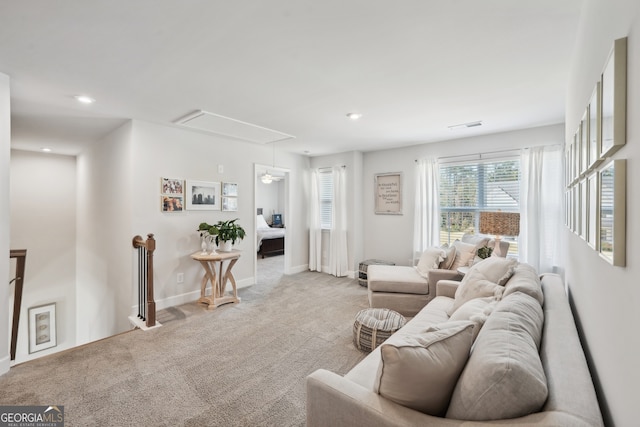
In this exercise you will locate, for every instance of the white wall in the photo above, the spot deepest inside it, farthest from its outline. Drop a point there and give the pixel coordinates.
(104, 251)
(390, 237)
(166, 151)
(270, 197)
(606, 298)
(43, 221)
(5, 154)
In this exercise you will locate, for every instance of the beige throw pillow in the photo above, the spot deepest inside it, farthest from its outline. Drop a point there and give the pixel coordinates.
(449, 258)
(476, 310)
(429, 260)
(421, 371)
(497, 269)
(464, 254)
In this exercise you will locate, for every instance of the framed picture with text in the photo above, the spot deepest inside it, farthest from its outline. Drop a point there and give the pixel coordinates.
(388, 193)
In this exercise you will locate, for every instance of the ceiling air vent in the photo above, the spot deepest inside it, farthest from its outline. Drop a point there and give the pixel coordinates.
(226, 126)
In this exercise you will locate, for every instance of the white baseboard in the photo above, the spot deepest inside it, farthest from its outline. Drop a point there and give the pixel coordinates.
(188, 297)
(297, 269)
(141, 324)
(5, 364)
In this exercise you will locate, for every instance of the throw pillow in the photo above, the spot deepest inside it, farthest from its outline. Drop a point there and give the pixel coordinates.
(421, 371)
(476, 310)
(429, 260)
(475, 285)
(261, 223)
(464, 254)
(449, 258)
(496, 269)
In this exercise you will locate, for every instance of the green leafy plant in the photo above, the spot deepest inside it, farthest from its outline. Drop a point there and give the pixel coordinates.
(223, 230)
(484, 252)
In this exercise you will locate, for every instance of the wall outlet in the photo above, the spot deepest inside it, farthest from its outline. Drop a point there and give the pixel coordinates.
(180, 277)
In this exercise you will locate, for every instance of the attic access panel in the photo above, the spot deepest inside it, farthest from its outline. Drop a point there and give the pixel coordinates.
(221, 125)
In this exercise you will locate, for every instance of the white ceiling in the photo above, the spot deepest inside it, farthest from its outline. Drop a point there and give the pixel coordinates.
(411, 67)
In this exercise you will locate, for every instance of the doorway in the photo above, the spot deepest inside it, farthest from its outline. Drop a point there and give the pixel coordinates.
(272, 210)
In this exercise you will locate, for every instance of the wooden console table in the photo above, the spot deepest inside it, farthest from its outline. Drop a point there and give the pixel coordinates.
(218, 281)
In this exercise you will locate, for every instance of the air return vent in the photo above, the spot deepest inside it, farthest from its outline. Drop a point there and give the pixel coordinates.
(221, 125)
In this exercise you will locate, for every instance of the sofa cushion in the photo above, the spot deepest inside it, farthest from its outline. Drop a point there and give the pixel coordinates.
(476, 310)
(420, 371)
(526, 280)
(449, 257)
(464, 254)
(396, 278)
(429, 260)
(504, 377)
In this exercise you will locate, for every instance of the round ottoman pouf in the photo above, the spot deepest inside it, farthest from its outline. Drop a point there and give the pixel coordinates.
(374, 325)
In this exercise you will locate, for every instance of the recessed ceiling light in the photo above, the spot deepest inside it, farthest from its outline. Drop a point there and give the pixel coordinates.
(45, 149)
(85, 99)
(354, 116)
(466, 125)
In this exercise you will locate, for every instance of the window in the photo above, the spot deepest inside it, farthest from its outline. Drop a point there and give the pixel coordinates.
(325, 180)
(466, 188)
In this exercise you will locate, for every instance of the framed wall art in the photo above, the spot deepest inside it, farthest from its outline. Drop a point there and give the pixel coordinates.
(592, 210)
(171, 195)
(613, 111)
(202, 195)
(594, 129)
(388, 193)
(229, 189)
(229, 204)
(612, 212)
(42, 327)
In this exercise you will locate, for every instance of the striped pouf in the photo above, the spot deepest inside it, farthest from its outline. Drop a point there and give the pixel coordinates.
(374, 325)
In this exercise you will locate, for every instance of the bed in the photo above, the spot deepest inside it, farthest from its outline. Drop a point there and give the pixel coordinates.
(270, 239)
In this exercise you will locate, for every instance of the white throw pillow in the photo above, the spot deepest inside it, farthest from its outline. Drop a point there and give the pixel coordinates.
(421, 371)
(261, 223)
(429, 260)
(476, 310)
(475, 285)
(464, 254)
(497, 269)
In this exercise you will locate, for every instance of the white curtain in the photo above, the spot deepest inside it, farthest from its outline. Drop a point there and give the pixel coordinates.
(541, 207)
(338, 255)
(315, 231)
(426, 227)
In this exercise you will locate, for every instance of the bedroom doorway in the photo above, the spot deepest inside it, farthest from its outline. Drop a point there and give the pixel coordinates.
(271, 208)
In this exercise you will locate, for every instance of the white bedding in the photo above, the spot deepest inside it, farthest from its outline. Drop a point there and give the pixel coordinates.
(268, 233)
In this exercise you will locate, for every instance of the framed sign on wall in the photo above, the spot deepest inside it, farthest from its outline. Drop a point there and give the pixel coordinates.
(388, 193)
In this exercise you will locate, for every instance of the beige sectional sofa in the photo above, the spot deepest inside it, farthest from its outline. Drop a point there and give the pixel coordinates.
(406, 290)
(525, 367)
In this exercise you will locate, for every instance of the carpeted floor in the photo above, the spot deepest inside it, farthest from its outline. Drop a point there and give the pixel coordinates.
(238, 365)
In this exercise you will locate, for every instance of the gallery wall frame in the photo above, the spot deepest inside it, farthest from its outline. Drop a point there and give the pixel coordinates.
(388, 193)
(612, 211)
(613, 104)
(171, 194)
(595, 128)
(42, 327)
(202, 195)
(593, 212)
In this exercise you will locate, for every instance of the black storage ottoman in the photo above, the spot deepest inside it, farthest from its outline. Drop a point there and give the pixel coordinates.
(362, 269)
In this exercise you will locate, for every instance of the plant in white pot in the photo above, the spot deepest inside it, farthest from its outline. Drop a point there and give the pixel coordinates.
(226, 232)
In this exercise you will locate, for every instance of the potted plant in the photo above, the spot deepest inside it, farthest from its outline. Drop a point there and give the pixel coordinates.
(484, 252)
(226, 233)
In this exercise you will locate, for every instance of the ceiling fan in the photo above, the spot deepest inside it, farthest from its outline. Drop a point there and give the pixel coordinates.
(268, 178)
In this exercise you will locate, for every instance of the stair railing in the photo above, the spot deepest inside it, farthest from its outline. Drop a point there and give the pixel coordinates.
(146, 304)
